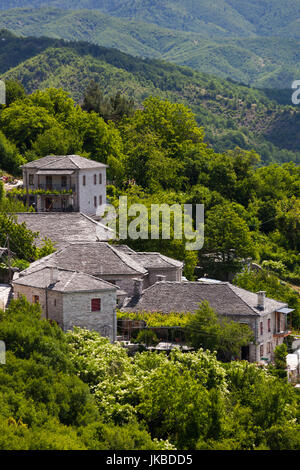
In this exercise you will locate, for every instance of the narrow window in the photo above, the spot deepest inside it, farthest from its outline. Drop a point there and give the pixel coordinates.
(268, 347)
(95, 179)
(31, 180)
(63, 181)
(100, 178)
(262, 350)
(100, 200)
(261, 328)
(35, 299)
(83, 180)
(269, 325)
(95, 201)
(96, 305)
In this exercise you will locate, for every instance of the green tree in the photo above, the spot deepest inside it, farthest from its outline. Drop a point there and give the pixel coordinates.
(228, 240)
(206, 330)
(10, 158)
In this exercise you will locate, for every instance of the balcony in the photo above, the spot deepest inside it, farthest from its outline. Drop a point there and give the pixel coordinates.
(56, 187)
(282, 333)
(282, 323)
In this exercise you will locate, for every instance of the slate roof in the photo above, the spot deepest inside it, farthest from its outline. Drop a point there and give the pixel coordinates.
(97, 259)
(68, 281)
(224, 298)
(63, 162)
(64, 227)
(150, 260)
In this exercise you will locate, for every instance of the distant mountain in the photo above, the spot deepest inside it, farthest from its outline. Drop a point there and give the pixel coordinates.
(232, 115)
(242, 18)
(231, 51)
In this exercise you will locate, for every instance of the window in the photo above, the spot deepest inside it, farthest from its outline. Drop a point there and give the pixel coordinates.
(83, 180)
(35, 299)
(268, 347)
(100, 200)
(261, 328)
(95, 179)
(261, 350)
(95, 201)
(31, 180)
(100, 178)
(96, 305)
(269, 325)
(63, 181)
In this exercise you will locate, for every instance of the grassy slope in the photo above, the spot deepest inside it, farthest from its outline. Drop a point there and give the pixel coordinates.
(232, 114)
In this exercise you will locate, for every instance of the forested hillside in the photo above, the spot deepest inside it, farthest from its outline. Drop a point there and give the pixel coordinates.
(77, 391)
(250, 42)
(242, 18)
(231, 114)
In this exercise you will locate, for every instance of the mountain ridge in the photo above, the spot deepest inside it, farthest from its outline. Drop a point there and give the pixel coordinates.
(232, 115)
(265, 63)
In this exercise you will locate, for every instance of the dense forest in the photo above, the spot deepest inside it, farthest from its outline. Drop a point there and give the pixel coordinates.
(75, 390)
(252, 42)
(232, 115)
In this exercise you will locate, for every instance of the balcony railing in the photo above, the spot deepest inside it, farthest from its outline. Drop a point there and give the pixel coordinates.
(56, 187)
(281, 333)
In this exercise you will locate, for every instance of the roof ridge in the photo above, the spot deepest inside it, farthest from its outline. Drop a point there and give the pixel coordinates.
(68, 282)
(121, 255)
(99, 279)
(70, 158)
(243, 300)
(57, 157)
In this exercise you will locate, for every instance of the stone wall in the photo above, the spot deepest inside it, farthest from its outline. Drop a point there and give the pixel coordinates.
(125, 283)
(74, 309)
(77, 312)
(172, 274)
(91, 190)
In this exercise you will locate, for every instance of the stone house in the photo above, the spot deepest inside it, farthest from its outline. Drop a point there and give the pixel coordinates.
(266, 317)
(115, 265)
(71, 298)
(66, 183)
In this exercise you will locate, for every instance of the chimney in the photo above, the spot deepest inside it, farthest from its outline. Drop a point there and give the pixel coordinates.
(138, 287)
(261, 296)
(53, 275)
(160, 278)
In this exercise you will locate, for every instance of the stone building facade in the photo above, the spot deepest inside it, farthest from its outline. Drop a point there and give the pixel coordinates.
(266, 317)
(71, 299)
(66, 183)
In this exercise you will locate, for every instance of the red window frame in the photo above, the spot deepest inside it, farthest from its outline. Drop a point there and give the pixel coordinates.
(96, 305)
